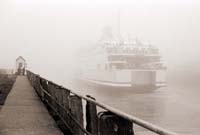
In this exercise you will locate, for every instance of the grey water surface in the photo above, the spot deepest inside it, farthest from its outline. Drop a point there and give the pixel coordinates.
(175, 107)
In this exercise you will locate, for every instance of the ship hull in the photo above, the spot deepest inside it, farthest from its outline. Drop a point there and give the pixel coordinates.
(134, 79)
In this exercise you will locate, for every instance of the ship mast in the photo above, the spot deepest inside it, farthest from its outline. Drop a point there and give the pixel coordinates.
(119, 27)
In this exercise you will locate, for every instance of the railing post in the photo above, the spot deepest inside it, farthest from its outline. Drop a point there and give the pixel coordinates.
(59, 99)
(65, 98)
(37, 83)
(65, 101)
(53, 91)
(77, 114)
(44, 86)
(111, 124)
(91, 117)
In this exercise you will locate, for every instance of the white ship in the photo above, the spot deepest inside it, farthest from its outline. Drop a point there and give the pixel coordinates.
(123, 63)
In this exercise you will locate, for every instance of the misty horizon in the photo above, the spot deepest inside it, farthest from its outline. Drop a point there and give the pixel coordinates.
(45, 31)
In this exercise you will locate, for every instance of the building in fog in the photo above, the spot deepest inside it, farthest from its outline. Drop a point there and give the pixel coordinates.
(20, 65)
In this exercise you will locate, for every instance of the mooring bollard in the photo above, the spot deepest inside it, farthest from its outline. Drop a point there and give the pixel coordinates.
(111, 124)
(91, 117)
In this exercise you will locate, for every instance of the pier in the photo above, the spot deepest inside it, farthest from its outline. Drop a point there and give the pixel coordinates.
(38, 106)
(24, 113)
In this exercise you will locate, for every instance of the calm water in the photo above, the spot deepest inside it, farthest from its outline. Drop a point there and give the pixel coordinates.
(175, 107)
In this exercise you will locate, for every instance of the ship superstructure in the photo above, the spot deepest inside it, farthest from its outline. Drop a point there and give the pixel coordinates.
(125, 63)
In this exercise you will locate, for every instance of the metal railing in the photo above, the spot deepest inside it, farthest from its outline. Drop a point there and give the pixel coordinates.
(57, 97)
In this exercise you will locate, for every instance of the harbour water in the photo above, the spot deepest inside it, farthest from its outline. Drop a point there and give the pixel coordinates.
(175, 107)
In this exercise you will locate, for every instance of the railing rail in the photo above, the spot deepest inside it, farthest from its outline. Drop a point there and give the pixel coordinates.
(149, 126)
(138, 121)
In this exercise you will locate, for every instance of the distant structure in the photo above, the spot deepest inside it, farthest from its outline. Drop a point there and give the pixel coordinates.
(20, 66)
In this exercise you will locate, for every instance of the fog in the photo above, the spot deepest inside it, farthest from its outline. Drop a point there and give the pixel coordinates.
(48, 33)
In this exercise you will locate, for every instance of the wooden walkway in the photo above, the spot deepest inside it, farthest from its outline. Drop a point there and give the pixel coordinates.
(24, 113)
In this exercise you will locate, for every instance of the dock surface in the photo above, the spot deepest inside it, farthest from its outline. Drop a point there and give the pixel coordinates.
(24, 113)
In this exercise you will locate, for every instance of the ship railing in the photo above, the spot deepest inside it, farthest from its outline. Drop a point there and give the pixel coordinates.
(132, 51)
(67, 105)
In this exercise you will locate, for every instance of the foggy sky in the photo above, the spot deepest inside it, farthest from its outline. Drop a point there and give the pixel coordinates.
(48, 32)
